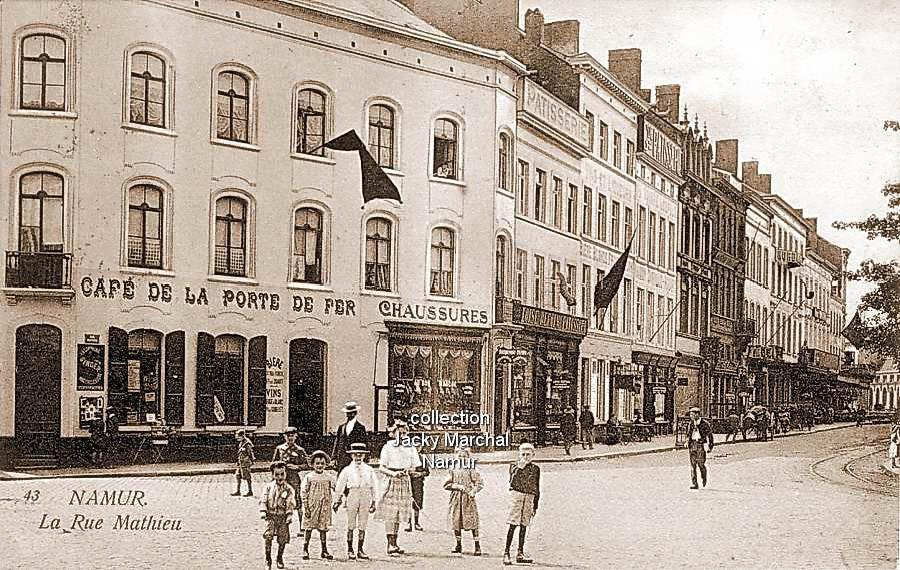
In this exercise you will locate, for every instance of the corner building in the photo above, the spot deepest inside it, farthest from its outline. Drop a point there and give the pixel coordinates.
(180, 246)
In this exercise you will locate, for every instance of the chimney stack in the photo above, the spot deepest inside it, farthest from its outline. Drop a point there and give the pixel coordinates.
(562, 36)
(765, 183)
(727, 155)
(534, 27)
(668, 100)
(625, 64)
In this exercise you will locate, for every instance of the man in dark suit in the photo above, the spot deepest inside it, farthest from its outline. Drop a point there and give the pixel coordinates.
(348, 432)
(699, 433)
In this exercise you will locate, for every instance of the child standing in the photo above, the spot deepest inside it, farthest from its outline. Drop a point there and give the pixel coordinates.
(417, 485)
(361, 484)
(294, 457)
(315, 492)
(245, 459)
(277, 503)
(524, 494)
(463, 482)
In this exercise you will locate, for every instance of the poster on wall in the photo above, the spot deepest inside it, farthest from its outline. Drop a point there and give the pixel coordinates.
(274, 384)
(90, 368)
(134, 375)
(90, 408)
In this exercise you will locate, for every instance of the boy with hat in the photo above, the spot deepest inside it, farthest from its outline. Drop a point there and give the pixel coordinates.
(361, 485)
(524, 494)
(296, 460)
(276, 504)
(245, 459)
(700, 433)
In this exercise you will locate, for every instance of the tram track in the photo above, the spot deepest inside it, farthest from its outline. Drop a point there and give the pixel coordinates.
(845, 470)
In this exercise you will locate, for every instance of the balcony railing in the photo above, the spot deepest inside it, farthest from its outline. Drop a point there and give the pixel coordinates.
(745, 327)
(788, 257)
(25, 269)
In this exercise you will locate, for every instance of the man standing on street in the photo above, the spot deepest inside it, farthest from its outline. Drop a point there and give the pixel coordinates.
(700, 434)
(586, 421)
(348, 433)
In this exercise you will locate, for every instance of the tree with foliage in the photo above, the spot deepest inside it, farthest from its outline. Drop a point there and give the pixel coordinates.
(880, 330)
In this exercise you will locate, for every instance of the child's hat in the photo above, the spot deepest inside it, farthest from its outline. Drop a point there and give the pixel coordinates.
(526, 445)
(291, 429)
(358, 448)
(319, 453)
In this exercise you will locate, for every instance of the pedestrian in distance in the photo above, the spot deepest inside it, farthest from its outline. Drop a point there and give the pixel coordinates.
(245, 459)
(296, 460)
(567, 429)
(734, 426)
(396, 462)
(586, 422)
(894, 447)
(360, 483)
(99, 442)
(463, 484)
(277, 502)
(348, 433)
(417, 486)
(315, 495)
(524, 495)
(700, 436)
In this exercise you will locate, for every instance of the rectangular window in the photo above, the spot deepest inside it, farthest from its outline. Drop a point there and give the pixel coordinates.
(522, 188)
(521, 274)
(642, 232)
(639, 318)
(671, 245)
(603, 141)
(540, 188)
(629, 224)
(538, 292)
(587, 209)
(599, 316)
(670, 324)
(651, 241)
(684, 307)
(572, 284)
(627, 327)
(614, 224)
(554, 284)
(617, 149)
(591, 128)
(572, 210)
(651, 319)
(695, 307)
(614, 314)
(586, 304)
(601, 217)
(557, 202)
(629, 157)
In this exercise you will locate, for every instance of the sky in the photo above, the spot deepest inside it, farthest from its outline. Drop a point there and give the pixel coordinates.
(804, 85)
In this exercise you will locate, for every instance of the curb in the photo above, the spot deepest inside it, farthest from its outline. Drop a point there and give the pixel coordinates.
(189, 472)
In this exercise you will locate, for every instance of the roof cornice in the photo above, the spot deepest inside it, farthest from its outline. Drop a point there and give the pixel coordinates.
(585, 63)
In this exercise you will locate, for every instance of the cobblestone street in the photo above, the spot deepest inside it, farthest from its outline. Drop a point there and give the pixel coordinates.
(817, 501)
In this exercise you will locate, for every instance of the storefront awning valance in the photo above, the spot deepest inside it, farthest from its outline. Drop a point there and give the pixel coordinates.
(412, 334)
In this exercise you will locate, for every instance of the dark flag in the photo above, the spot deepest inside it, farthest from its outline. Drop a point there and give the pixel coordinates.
(607, 287)
(565, 290)
(855, 331)
(375, 183)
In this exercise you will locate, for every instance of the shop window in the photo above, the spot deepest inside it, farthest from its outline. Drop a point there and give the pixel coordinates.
(311, 121)
(41, 213)
(308, 237)
(231, 237)
(443, 250)
(147, 89)
(145, 226)
(446, 149)
(522, 396)
(42, 72)
(233, 106)
(228, 366)
(433, 376)
(381, 135)
(378, 254)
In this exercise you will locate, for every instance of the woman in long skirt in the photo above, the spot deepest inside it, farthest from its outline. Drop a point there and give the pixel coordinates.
(396, 463)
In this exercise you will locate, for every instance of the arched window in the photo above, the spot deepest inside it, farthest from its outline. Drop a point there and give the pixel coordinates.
(233, 107)
(231, 237)
(42, 72)
(307, 266)
(443, 248)
(311, 122)
(381, 135)
(378, 254)
(502, 257)
(504, 161)
(145, 226)
(147, 90)
(446, 149)
(41, 212)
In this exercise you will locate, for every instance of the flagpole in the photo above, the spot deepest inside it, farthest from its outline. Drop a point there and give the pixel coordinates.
(680, 301)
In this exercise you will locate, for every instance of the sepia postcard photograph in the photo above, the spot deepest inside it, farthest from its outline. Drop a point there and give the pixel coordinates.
(449, 284)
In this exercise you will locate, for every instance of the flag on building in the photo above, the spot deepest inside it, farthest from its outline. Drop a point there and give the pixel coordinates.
(218, 410)
(855, 331)
(607, 287)
(565, 290)
(375, 183)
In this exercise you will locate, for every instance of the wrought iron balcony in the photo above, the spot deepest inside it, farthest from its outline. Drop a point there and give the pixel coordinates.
(745, 327)
(38, 270)
(791, 258)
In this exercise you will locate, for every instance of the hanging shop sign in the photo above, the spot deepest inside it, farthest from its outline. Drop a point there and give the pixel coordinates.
(90, 367)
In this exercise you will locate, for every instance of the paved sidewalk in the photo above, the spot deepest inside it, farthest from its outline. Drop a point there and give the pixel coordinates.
(552, 454)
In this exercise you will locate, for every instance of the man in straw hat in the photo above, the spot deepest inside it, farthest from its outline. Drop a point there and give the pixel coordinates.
(699, 434)
(360, 482)
(348, 433)
(397, 461)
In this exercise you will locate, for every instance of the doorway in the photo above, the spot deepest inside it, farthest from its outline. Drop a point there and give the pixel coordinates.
(38, 379)
(306, 386)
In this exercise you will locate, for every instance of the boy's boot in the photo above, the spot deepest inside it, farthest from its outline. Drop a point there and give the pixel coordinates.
(279, 561)
(237, 491)
(249, 489)
(268, 555)
(325, 554)
(458, 548)
(477, 544)
(350, 554)
(360, 553)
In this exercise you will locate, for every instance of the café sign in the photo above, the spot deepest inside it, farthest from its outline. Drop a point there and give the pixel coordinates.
(553, 112)
(542, 318)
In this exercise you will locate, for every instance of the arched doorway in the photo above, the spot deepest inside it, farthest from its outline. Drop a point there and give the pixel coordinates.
(38, 379)
(306, 396)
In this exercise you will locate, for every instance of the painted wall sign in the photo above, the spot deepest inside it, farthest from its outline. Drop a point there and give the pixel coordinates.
(556, 114)
(90, 408)
(90, 367)
(456, 315)
(663, 149)
(274, 384)
(92, 338)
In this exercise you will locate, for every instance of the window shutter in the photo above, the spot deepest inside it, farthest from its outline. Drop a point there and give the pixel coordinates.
(256, 408)
(175, 378)
(206, 358)
(117, 388)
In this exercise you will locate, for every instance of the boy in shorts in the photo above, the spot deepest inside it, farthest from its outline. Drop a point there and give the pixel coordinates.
(245, 459)
(277, 503)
